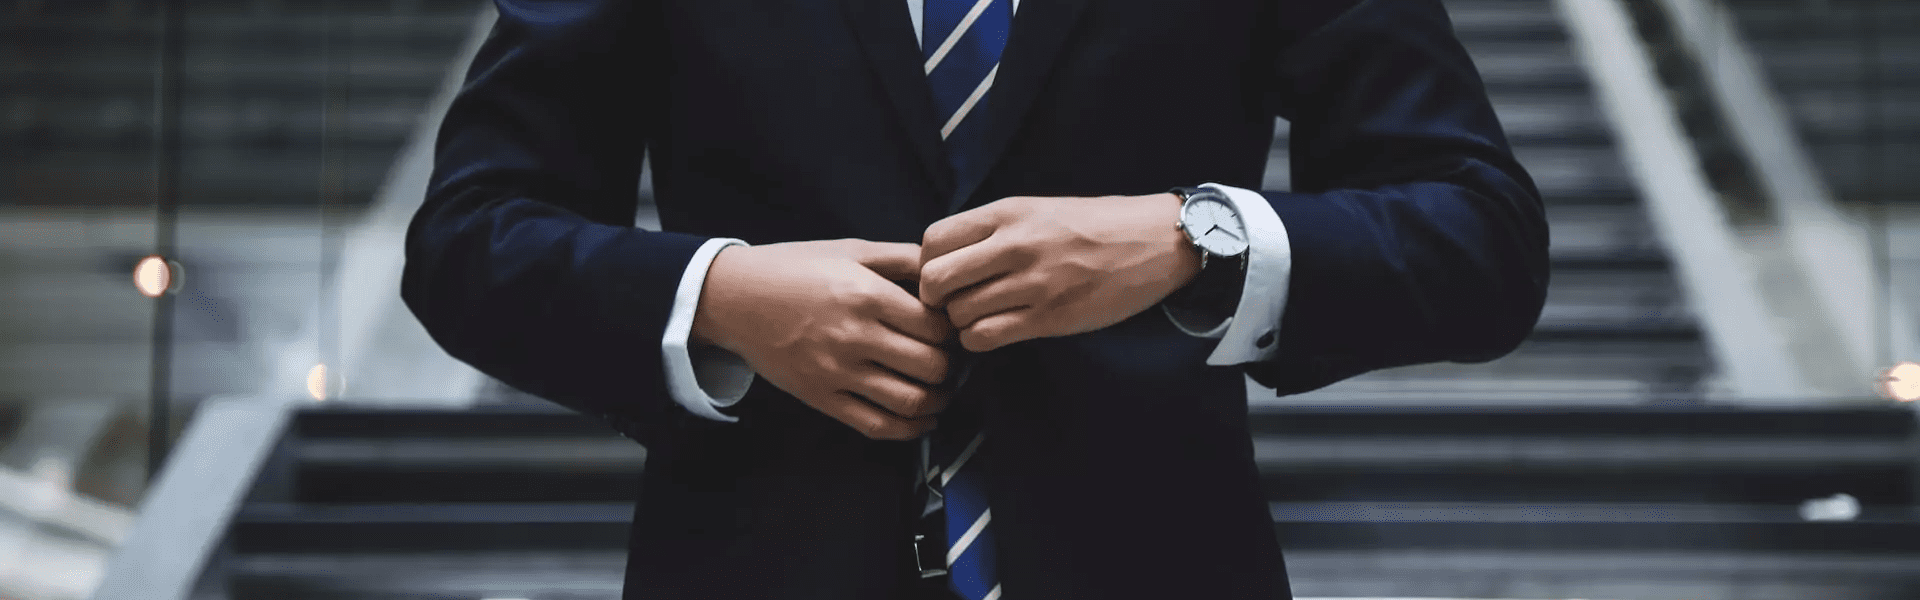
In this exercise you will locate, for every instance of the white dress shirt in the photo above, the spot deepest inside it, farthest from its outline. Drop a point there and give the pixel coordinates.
(705, 379)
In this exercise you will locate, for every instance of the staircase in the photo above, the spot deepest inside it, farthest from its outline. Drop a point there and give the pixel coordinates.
(283, 103)
(1616, 328)
(291, 114)
(534, 502)
(525, 500)
(1849, 74)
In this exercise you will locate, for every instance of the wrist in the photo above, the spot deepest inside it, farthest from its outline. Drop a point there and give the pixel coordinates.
(710, 314)
(1186, 255)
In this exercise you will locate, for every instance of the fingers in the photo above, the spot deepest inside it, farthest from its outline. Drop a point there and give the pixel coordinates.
(942, 277)
(927, 364)
(956, 232)
(896, 261)
(869, 419)
(994, 331)
(1000, 295)
(899, 310)
(896, 394)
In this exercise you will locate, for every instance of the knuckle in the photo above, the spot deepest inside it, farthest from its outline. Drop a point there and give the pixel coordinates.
(970, 340)
(957, 313)
(937, 401)
(1023, 253)
(821, 367)
(881, 429)
(940, 366)
(843, 291)
(838, 336)
(978, 339)
(866, 300)
(916, 403)
(941, 321)
(932, 276)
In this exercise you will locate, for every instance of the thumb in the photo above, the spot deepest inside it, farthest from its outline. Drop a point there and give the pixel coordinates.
(896, 261)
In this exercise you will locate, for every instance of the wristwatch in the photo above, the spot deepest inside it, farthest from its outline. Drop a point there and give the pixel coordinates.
(1211, 223)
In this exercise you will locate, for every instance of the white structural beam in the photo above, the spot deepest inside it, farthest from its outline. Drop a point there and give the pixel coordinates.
(185, 514)
(1720, 278)
(1827, 247)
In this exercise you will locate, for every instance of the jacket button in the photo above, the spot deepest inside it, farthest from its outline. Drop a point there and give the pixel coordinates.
(1266, 339)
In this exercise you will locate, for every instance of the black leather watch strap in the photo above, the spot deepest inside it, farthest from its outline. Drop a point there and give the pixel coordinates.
(1217, 287)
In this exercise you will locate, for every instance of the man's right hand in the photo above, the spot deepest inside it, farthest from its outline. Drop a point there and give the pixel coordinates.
(824, 321)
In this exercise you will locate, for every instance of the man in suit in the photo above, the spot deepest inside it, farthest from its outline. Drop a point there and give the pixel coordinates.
(1001, 325)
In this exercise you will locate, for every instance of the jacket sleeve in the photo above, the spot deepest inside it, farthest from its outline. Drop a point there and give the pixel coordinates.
(523, 260)
(1415, 235)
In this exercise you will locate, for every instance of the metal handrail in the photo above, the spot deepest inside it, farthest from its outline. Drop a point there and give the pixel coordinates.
(185, 514)
(1720, 279)
(1831, 248)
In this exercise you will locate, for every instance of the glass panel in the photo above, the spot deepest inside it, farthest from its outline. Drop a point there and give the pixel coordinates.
(243, 141)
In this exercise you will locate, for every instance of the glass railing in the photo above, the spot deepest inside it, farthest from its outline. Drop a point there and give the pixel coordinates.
(180, 183)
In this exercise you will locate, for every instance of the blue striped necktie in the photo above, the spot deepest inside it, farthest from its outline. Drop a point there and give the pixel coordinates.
(961, 42)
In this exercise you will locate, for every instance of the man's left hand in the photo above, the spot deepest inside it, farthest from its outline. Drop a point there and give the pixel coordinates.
(1024, 267)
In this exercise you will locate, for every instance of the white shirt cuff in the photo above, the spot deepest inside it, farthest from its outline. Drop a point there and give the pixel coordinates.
(1264, 296)
(703, 379)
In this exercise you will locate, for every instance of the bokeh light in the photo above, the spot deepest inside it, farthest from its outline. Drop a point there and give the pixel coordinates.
(1901, 382)
(153, 276)
(317, 382)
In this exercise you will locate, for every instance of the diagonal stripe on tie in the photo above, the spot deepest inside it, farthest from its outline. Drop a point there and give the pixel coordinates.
(960, 114)
(960, 30)
(971, 544)
(966, 539)
(954, 467)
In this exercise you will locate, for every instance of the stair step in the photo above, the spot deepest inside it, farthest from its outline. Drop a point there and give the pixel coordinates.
(1567, 452)
(250, 34)
(1561, 172)
(274, 527)
(1494, 20)
(1325, 574)
(1852, 113)
(1877, 421)
(1490, 477)
(1527, 65)
(1408, 452)
(283, 528)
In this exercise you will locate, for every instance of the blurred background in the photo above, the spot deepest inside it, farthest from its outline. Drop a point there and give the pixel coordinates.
(209, 387)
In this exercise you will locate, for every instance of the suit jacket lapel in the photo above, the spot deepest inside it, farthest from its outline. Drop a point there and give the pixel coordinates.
(886, 38)
(1040, 29)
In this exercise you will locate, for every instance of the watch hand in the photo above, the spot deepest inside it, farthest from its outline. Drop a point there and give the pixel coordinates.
(1210, 231)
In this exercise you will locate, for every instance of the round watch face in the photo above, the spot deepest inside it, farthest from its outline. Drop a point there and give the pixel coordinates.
(1215, 227)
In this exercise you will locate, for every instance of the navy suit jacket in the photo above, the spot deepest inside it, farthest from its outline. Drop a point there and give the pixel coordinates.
(1121, 464)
